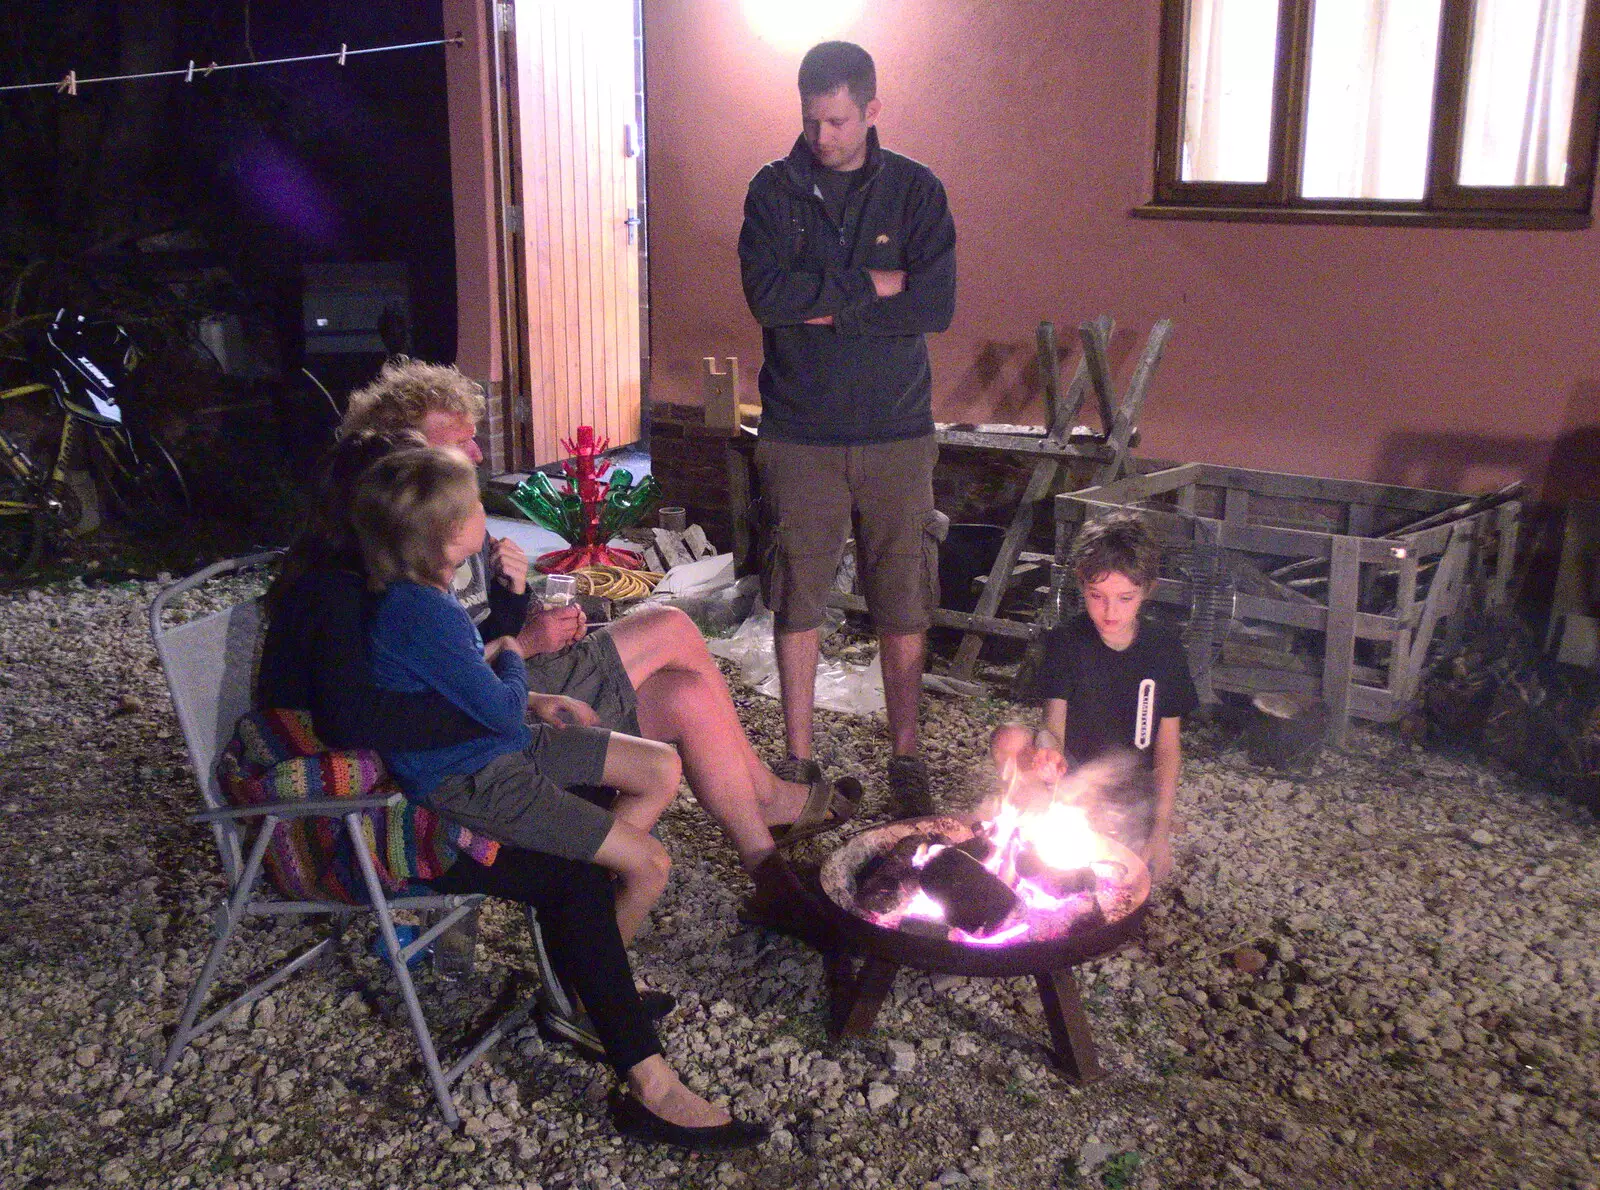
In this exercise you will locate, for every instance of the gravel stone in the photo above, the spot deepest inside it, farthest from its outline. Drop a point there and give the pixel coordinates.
(1428, 983)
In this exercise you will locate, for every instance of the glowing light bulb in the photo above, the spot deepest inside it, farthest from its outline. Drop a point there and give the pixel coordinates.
(793, 26)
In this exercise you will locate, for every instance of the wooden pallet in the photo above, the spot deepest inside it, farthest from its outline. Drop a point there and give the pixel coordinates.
(1318, 565)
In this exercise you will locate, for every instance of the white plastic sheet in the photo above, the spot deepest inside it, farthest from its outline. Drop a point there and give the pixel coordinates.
(852, 689)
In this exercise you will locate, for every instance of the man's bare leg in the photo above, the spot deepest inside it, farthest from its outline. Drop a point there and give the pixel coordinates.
(683, 700)
(797, 654)
(901, 656)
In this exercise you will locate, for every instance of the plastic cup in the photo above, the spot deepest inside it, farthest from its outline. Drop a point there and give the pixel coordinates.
(455, 950)
(559, 590)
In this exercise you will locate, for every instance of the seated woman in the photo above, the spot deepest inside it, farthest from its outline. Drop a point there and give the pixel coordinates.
(314, 598)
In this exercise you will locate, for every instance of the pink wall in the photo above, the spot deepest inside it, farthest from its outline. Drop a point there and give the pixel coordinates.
(1450, 358)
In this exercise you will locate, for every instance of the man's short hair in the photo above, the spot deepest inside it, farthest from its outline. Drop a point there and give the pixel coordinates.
(1117, 544)
(834, 64)
(407, 506)
(406, 391)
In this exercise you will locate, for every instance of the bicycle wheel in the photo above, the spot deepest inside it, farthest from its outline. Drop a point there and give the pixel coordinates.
(22, 527)
(141, 484)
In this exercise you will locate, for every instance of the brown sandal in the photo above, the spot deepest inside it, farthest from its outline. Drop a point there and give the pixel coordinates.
(829, 805)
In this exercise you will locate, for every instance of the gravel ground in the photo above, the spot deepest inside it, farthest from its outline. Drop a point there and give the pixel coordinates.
(1382, 975)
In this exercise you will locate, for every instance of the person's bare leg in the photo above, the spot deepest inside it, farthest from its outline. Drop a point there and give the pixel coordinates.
(901, 655)
(646, 774)
(683, 700)
(673, 706)
(797, 654)
(658, 1087)
(642, 866)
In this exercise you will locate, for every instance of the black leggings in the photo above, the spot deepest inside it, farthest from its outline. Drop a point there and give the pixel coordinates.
(578, 915)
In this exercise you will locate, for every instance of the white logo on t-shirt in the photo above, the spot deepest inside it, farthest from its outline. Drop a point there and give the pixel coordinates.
(1144, 719)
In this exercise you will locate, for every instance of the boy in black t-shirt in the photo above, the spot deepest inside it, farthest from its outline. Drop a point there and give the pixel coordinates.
(1110, 680)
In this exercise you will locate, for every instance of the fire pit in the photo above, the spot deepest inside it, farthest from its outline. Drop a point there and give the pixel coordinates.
(1018, 893)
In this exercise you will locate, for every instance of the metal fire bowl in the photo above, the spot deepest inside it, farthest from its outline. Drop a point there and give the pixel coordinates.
(943, 955)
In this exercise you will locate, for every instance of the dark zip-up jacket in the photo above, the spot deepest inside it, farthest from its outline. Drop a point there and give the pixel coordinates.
(866, 378)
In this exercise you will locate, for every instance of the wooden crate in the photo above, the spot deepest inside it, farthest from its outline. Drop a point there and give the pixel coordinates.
(1333, 588)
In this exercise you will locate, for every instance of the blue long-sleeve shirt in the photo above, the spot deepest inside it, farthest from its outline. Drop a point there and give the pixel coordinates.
(422, 639)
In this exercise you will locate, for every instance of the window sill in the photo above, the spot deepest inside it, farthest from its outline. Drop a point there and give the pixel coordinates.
(1371, 217)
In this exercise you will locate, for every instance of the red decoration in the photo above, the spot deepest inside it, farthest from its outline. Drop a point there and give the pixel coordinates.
(585, 474)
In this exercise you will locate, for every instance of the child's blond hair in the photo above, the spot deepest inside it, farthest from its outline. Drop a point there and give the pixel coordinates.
(407, 507)
(1120, 543)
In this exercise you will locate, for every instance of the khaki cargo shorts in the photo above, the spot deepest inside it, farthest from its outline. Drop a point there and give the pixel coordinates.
(816, 497)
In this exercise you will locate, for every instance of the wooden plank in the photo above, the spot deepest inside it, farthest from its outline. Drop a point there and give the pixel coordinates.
(1252, 580)
(1508, 520)
(1126, 418)
(944, 684)
(1049, 357)
(1439, 602)
(1366, 702)
(1358, 520)
(740, 465)
(1096, 339)
(943, 617)
(1235, 506)
(1339, 646)
(1021, 444)
(1135, 489)
(1341, 491)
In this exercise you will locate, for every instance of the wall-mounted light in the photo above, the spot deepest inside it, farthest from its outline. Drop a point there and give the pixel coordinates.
(797, 25)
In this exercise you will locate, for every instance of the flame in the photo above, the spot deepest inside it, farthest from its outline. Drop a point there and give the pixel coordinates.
(922, 905)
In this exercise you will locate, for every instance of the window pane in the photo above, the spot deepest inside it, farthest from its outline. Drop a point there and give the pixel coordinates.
(1371, 98)
(1227, 115)
(1520, 83)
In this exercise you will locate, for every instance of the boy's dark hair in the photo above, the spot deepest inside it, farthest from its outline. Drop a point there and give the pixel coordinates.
(834, 64)
(1117, 544)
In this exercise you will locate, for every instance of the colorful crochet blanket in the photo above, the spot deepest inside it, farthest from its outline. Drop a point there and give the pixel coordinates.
(275, 756)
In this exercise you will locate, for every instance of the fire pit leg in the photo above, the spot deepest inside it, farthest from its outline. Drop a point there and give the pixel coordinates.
(1072, 1045)
(855, 997)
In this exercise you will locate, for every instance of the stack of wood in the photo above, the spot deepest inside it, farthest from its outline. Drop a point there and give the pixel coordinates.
(666, 548)
(1501, 696)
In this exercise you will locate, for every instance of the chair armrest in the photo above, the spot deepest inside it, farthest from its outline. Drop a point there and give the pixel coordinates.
(330, 807)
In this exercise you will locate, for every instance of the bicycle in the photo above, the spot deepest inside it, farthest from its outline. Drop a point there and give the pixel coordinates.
(134, 473)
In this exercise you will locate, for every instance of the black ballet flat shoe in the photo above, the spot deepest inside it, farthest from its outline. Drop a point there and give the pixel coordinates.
(657, 1005)
(637, 1122)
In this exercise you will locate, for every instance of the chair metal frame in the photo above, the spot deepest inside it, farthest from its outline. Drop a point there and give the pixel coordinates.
(209, 666)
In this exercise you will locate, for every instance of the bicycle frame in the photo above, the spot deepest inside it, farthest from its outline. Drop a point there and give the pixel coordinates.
(39, 483)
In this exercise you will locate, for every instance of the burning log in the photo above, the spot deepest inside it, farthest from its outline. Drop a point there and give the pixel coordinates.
(974, 899)
(1058, 884)
(885, 882)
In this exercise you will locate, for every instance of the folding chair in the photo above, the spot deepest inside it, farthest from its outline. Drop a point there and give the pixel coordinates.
(209, 664)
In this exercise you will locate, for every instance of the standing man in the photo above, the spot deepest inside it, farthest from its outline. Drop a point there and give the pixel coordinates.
(848, 256)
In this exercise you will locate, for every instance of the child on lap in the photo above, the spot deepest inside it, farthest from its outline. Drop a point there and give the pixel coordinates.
(418, 515)
(1111, 681)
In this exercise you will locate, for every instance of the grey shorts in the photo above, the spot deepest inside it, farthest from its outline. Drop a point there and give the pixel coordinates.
(590, 671)
(816, 497)
(521, 798)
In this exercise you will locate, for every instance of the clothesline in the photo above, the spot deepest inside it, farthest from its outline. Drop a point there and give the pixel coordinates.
(70, 83)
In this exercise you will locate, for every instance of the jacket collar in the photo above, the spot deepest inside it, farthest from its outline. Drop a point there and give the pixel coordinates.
(800, 166)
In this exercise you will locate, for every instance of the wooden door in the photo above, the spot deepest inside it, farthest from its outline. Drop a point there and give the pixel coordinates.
(575, 181)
